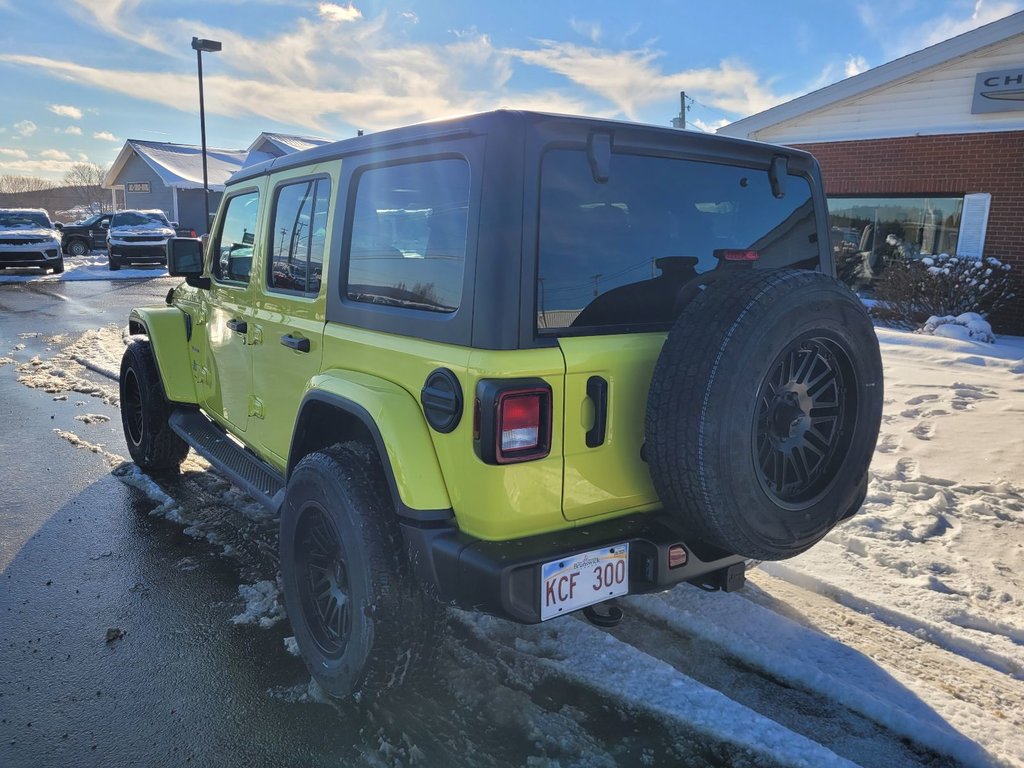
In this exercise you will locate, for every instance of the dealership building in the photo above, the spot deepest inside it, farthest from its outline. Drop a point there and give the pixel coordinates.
(169, 177)
(927, 150)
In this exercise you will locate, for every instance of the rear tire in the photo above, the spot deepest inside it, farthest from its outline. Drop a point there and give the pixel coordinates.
(153, 445)
(764, 410)
(361, 621)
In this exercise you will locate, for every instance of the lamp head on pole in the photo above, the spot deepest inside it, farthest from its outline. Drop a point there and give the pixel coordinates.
(208, 46)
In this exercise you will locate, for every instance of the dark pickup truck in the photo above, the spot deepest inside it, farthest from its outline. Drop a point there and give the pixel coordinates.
(84, 236)
(91, 234)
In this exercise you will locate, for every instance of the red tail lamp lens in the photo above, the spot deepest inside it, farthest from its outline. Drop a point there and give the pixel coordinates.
(520, 422)
(524, 425)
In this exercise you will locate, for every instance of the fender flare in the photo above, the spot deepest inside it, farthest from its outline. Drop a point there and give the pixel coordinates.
(168, 329)
(419, 492)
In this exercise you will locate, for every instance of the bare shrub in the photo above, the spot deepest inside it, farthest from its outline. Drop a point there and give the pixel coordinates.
(910, 291)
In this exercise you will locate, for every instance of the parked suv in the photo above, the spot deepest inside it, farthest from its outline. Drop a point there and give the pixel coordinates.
(514, 362)
(29, 239)
(88, 235)
(138, 236)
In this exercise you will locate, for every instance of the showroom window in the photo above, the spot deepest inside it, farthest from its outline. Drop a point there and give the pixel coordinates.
(868, 233)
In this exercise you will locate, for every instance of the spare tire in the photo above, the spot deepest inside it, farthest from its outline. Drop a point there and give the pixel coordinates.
(764, 410)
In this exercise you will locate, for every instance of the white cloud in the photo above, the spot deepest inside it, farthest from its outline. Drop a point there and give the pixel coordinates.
(4, 151)
(73, 130)
(886, 22)
(411, 17)
(25, 127)
(632, 79)
(855, 65)
(711, 127)
(105, 136)
(588, 29)
(83, 158)
(66, 110)
(53, 169)
(339, 13)
(54, 154)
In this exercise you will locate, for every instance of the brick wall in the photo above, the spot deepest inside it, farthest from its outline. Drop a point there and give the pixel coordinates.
(943, 165)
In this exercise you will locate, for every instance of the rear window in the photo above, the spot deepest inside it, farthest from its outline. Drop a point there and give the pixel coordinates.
(628, 252)
(408, 246)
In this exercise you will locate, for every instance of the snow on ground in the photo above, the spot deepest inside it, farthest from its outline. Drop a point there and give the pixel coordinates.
(937, 551)
(898, 637)
(92, 266)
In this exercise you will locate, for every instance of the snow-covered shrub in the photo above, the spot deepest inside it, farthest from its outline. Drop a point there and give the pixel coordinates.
(970, 326)
(910, 291)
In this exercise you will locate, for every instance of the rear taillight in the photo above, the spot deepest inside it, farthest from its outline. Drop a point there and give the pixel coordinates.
(512, 420)
(191, 233)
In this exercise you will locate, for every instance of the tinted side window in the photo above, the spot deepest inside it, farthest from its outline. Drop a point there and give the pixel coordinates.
(296, 261)
(620, 253)
(233, 248)
(408, 245)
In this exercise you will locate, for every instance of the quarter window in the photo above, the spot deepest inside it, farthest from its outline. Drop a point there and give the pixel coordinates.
(297, 238)
(408, 246)
(233, 248)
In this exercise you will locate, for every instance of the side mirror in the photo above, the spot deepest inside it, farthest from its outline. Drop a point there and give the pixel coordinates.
(105, 224)
(58, 225)
(185, 259)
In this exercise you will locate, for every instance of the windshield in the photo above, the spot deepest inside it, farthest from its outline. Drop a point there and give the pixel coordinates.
(24, 220)
(139, 219)
(91, 220)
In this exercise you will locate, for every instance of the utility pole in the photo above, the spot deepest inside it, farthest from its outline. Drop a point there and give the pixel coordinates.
(680, 122)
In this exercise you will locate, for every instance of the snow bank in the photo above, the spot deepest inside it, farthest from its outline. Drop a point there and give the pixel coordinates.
(970, 326)
(92, 266)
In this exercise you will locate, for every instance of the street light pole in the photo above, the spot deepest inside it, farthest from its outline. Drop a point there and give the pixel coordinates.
(210, 46)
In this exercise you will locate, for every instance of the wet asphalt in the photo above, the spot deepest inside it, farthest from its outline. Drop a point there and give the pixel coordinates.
(116, 641)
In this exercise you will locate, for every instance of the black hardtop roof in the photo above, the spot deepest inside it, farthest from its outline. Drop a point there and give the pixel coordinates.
(483, 122)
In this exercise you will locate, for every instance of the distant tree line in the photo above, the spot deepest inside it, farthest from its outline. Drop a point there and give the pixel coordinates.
(78, 194)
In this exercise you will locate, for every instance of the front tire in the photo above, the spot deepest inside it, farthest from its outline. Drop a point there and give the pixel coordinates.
(153, 445)
(360, 620)
(58, 268)
(77, 248)
(113, 263)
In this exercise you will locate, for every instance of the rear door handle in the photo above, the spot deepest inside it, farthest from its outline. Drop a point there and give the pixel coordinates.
(238, 326)
(295, 342)
(597, 390)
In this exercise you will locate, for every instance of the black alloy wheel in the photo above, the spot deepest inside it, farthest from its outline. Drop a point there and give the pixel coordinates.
(323, 586)
(806, 407)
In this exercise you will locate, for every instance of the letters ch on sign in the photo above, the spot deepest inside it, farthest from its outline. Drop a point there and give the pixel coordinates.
(1001, 91)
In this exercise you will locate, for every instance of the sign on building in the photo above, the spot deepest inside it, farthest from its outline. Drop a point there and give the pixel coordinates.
(137, 186)
(1001, 91)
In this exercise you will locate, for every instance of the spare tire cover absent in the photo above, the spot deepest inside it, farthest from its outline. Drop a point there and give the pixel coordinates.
(764, 410)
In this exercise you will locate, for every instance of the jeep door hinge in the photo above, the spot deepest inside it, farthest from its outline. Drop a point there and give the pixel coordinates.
(255, 407)
(256, 337)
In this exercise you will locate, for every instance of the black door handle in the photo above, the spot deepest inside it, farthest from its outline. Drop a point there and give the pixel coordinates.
(296, 343)
(597, 390)
(238, 326)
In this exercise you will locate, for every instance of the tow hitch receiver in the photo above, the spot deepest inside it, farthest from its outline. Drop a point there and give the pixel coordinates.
(606, 614)
(728, 579)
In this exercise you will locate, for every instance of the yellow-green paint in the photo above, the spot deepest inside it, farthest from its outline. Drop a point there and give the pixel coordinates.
(166, 329)
(611, 477)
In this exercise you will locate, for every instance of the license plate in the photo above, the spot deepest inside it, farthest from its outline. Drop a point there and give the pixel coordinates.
(582, 580)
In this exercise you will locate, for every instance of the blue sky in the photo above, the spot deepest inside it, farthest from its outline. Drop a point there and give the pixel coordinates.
(78, 77)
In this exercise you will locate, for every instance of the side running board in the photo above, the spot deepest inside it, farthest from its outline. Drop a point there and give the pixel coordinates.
(233, 461)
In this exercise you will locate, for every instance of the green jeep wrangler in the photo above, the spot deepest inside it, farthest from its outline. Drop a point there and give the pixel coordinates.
(514, 362)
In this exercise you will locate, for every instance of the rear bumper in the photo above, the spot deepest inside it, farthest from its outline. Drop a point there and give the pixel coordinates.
(503, 577)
